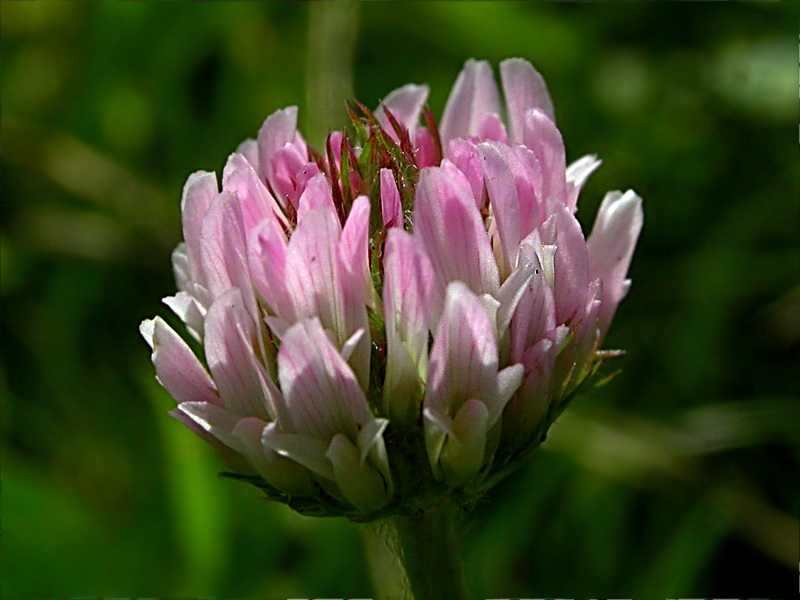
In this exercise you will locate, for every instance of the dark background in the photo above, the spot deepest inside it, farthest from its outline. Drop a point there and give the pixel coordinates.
(677, 479)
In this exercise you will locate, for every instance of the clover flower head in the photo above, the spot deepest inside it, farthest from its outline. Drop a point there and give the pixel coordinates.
(400, 317)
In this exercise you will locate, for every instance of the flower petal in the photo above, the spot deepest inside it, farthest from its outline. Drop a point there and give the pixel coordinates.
(257, 204)
(463, 361)
(464, 155)
(229, 347)
(452, 232)
(360, 483)
(463, 454)
(322, 393)
(304, 449)
(407, 302)
(405, 104)
(523, 89)
(528, 406)
(474, 96)
(313, 273)
(577, 174)
(354, 249)
(492, 129)
(391, 205)
(267, 261)
(611, 243)
(571, 259)
(280, 472)
(249, 149)
(190, 311)
(357, 289)
(177, 368)
(234, 248)
(502, 191)
(574, 357)
(213, 261)
(232, 459)
(199, 193)
(316, 195)
(535, 314)
(278, 130)
(543, 137)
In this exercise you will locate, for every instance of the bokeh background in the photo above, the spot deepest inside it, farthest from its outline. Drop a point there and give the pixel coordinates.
(677, 479)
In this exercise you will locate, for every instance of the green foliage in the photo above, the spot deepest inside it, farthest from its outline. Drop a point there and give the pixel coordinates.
(677, 479)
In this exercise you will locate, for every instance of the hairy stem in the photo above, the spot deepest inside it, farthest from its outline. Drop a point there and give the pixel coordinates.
(429, 549)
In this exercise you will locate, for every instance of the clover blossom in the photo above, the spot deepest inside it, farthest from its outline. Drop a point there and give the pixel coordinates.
(399, 318)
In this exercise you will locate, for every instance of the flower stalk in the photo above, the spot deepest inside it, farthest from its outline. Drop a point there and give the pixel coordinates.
(429, 550)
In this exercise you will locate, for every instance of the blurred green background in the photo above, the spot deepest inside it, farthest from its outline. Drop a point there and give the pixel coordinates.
(678, 479)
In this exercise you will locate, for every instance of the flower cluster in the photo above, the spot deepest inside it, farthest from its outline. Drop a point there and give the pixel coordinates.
(400, 317)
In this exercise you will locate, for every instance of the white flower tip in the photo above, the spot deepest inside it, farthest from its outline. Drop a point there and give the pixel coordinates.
(148, 328)
(351, 343)
(439, 421)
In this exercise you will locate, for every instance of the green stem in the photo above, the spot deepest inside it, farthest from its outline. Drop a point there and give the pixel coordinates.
(429, 548)
(388, 577)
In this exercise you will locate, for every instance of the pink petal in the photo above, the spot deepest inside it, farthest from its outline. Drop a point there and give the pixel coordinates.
(405, 104)
(249, 149)
(452, 232)
(407, 302)
(354, 245)
(502, 192)
(463, 361)
(464, 155)
(611, 243)
(474, 96)
(335, 139)
(492, 129)
(313, 273)
(317, 194)
(577, 174)
(535, 314)
(256, 202)
(229, 346)
(288, 173)
(529, 179)
(391, 205)
(199, 192)
(321, 391)
(407, 290)
(424, 149)
(571, 259)
(267, 260)
(523, 89)
(278, 130)
(356, 281)
(543, 137)
(212, 251)
(234, 246)
(177, 368)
